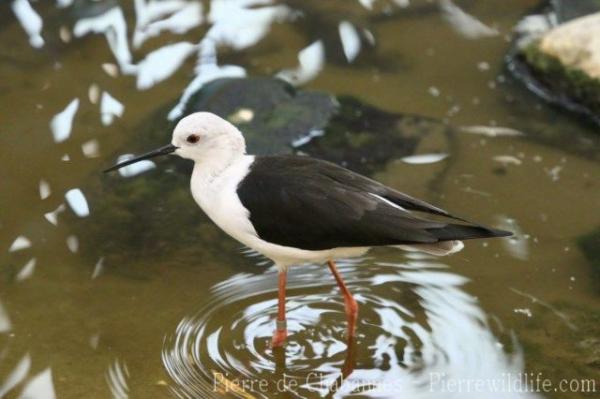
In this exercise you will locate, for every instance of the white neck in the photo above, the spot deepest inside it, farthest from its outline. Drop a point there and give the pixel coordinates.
(215, 161)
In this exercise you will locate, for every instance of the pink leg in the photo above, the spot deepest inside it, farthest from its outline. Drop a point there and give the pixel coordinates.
(280, 333)
(351, 305)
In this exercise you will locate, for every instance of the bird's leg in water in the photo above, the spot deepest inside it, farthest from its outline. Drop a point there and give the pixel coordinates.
(281, 332)
(349, 301)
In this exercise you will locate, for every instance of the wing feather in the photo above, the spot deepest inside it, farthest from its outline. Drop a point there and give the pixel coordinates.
(312, 204)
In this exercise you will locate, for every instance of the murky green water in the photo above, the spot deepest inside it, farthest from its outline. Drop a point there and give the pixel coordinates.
(163, 327)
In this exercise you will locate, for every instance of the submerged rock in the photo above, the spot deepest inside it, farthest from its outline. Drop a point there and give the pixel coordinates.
(590, 246)
(153, 214)
(557, 55)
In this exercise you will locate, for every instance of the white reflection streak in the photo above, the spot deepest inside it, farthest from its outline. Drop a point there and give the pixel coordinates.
(45, 190)
(424, 158)
(136, 168)
(350, 40)
(110, 108)
(30, 21)
(72, 243)
(458, 346)
(517, 245)
(16, 375)
(62, 123)
(77, 202)
(26, 272)
(311, 60)
(206, 71)
(236, 24)
(39, 387)
(116, 377)
(5, 324)
(21, 242)
(162, 63)
(184, 16)
(112, 24)
(52, 216)
(466, 25)
(63, 3)
(491, 131)
(98, 268)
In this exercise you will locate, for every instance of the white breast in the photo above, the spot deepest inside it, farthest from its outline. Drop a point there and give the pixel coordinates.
(217, 196)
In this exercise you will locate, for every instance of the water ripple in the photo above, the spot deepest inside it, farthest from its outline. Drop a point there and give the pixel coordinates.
(416, 325)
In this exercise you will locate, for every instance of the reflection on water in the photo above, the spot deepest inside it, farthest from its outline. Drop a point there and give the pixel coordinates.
(417, 329)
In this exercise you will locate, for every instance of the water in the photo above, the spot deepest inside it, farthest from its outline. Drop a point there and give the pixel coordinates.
(191, 326)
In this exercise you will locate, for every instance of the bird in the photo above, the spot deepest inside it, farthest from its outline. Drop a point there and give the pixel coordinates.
(295, 209)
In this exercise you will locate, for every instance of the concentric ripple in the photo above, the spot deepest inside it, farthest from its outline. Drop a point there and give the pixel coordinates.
(416, 328)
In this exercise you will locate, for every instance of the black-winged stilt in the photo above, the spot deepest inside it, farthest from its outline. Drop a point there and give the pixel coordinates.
(295, 209)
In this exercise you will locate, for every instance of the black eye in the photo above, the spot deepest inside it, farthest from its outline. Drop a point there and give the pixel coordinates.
(192, 138)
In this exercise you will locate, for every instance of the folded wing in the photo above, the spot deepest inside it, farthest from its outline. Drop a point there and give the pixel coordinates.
(312, 204)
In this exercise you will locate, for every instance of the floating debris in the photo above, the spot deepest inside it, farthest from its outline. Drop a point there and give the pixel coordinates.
(434, 91)
(65, 34)
(554, 172)
(483, 66)
(546, 305)
(62, 123)
(242, 115)
(77, 202)
(507, 159)
(525, 311)
(91, 148)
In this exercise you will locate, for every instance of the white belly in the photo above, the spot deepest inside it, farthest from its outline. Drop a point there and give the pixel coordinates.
(217, 196)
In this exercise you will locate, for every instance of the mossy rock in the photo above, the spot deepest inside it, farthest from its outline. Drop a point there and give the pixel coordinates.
(545, 75)
(153, 215)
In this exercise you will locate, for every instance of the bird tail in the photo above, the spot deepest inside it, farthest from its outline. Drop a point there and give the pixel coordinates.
(453, 231)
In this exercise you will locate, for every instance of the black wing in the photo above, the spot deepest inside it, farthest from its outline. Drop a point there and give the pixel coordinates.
(311, 204)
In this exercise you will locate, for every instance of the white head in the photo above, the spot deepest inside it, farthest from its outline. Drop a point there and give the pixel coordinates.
(202, 137)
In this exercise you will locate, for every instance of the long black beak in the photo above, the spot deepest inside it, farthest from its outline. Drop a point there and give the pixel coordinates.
(158, 152)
